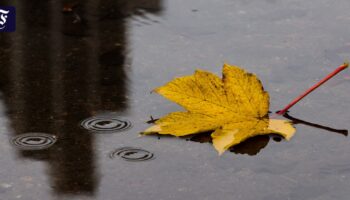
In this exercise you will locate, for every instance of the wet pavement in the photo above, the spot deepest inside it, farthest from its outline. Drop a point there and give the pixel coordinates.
(76, 76)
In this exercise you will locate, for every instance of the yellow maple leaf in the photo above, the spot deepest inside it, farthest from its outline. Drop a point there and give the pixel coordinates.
(234, 108)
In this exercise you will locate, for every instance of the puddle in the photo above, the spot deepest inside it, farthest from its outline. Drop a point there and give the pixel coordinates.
(132, 154)
(34, 141)
(70, 60)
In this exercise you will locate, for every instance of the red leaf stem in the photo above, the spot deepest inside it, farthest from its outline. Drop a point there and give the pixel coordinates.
(329, 76)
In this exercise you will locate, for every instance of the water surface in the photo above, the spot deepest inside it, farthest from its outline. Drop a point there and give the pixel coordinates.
(102, 60)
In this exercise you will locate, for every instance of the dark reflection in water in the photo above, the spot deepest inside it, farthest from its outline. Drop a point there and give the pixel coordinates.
(299, 121)
(65, 67)
(251, 146)
(202, 138)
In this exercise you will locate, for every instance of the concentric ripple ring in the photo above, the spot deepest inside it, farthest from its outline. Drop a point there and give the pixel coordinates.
(34, 141)
(105, 125)
(132, 154)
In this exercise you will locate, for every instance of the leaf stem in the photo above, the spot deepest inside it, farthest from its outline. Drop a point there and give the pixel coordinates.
(329, 76)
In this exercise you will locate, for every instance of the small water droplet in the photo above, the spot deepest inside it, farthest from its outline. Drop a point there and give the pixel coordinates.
(105, 125)
(132, 154)
(34, 141)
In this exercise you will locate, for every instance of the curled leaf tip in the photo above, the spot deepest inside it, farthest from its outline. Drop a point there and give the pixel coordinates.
(282, 127)
(221, 152)
(140, 135)
(152, 129)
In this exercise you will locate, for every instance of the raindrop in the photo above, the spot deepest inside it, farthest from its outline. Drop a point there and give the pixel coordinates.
(105, 125)
(34, 141)
(132, 154)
